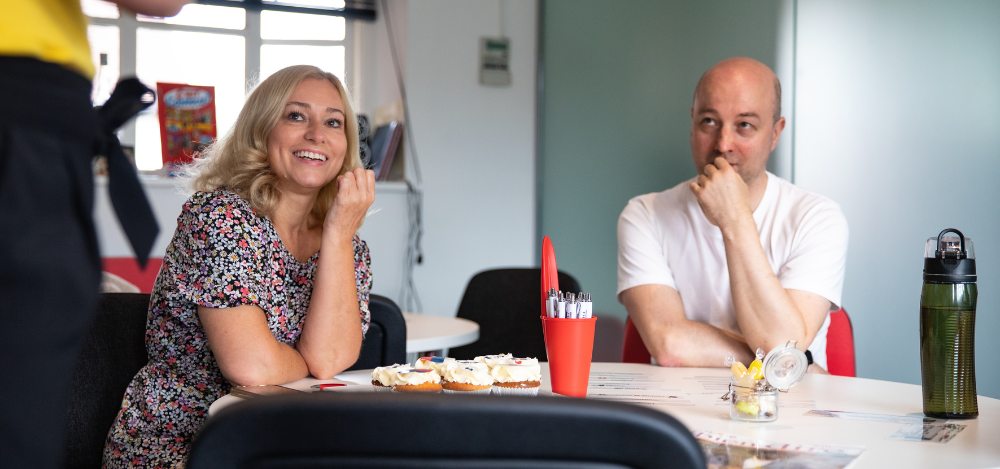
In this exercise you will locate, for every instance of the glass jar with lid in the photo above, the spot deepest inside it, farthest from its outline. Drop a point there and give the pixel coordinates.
(757, 400)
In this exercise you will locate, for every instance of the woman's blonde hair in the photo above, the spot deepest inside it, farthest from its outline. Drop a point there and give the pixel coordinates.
(239, 161)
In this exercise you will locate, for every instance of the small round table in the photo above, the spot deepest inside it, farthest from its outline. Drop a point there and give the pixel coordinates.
(425, 332)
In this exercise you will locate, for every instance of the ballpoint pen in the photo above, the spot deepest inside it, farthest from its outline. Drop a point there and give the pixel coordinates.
(586, 308)
(571, 306)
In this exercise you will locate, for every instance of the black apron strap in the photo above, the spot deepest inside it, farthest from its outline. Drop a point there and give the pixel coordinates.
(124, 189)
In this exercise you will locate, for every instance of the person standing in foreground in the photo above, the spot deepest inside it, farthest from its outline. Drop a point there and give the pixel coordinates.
(735, 258)
(265, 280)
(49, 260)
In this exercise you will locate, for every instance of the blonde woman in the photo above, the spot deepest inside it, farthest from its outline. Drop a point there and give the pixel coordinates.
(265, 280)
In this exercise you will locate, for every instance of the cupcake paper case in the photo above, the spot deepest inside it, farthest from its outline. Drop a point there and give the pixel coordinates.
(519, 377)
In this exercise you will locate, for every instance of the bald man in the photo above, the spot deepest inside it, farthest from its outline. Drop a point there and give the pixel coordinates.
(735, 258)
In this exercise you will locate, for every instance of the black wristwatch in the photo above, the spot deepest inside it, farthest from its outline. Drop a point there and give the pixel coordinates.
(809, 357)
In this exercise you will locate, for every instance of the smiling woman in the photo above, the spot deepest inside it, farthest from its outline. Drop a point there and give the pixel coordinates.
(267, 241)
(308, 144)
(270, 113)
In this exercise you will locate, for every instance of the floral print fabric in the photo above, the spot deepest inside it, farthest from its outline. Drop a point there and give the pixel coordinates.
(222, 255)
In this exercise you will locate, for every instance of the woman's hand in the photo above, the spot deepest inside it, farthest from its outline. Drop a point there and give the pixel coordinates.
(355, 193)
(331, 336)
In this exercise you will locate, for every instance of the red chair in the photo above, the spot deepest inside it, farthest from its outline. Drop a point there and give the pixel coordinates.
(128, 269)
(839, 345)
(633, 348)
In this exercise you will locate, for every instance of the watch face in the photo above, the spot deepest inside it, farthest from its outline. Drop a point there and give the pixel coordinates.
(784, 366)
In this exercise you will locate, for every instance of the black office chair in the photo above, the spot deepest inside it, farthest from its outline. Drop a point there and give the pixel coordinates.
(399, 430)
(113, 352)
(506, 303)
(385, 342)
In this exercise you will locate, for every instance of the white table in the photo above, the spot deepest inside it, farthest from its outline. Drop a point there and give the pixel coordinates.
(879, 409)
(693, 396)
(425, 332)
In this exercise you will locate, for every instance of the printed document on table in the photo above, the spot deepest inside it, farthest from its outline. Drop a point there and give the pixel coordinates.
(726, 451)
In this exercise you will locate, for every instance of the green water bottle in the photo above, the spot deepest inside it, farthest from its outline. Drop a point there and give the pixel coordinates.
(947, 327)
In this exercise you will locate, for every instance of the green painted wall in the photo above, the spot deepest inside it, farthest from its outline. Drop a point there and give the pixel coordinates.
(615, 112)
(896, 97)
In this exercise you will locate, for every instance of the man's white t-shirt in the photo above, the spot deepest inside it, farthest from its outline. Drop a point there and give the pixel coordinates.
(664, 238)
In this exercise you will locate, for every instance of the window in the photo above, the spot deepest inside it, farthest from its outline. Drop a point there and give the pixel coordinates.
(227, 47)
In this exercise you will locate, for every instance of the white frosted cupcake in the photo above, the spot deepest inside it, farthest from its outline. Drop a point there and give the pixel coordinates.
(467, 377)
(384, 377)
(438, 364)
(418, 380)
(520, 376)
(494, 360)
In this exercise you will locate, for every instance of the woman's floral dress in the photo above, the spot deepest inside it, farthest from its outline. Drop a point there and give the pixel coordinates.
(223, 254)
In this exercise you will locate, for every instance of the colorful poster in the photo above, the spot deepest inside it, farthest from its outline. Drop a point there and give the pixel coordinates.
(187, 121)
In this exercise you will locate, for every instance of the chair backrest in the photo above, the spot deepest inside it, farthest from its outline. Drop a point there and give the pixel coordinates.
(385, 342)
(113, 351)
(111, 283)
(840, 344)
(633, 348)
(400, 430)
(505, 304)
(128, 269)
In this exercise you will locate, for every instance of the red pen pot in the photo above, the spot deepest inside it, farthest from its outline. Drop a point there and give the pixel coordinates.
(569, 344)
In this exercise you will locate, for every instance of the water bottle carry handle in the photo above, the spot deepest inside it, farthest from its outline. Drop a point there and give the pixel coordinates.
(961, 238)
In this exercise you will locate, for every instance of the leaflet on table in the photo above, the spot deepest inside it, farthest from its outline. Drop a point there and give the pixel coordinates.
(300, 386)
(249, 392)
(653, 400)
(873, 417)
(640, 388)
(627, 381)
(916, 427)
(939, 432)
(725, 451)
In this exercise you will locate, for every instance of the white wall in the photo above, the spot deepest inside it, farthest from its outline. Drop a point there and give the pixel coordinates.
(476, 144)
(897, 117)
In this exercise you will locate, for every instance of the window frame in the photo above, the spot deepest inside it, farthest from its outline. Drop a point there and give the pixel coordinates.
(128, 25)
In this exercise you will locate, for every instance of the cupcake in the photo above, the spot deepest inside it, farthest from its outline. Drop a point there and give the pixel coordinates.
(438, 364)
(467, 376)
(418, 380)
(384, 377)
(519, 376)
(493, 360)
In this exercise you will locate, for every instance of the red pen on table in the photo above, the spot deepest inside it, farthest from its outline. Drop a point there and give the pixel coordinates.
(325, 386)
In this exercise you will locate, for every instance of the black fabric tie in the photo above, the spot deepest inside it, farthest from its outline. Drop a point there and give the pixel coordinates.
(127, 196)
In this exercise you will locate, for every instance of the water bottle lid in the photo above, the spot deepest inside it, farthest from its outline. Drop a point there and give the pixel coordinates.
(784, 366)
(949, 258)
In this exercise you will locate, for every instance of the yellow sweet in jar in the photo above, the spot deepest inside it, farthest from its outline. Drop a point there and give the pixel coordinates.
(748, 408)
(756, 370)
(738, 369)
